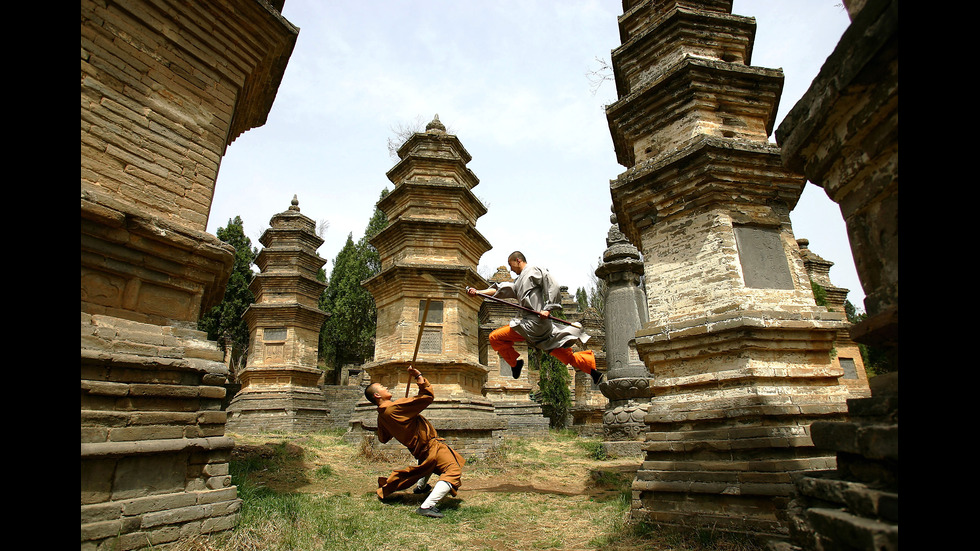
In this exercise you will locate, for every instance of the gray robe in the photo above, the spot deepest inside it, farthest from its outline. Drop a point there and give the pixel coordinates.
(537, 290)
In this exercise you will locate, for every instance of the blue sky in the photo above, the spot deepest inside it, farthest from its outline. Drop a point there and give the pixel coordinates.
(510, 79)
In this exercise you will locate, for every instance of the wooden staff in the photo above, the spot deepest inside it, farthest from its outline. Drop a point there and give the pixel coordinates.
(418, 341)
(526, 309)
(501, 301)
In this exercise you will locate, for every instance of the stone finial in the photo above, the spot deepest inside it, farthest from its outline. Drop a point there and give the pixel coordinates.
(435, 127)
(294, 204)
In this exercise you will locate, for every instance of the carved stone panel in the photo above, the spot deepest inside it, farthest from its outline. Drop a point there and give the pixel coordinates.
(764, 264)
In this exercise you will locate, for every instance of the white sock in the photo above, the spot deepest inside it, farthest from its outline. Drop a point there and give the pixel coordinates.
(423, 481)
(442, 488)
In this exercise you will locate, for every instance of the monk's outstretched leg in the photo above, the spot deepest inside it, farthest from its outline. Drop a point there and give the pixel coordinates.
(583, 361)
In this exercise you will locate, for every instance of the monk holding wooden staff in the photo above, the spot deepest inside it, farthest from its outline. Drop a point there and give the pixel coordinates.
(402, 420)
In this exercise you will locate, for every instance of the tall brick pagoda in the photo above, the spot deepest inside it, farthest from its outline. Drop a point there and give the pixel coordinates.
(166, 87)
(739, 352)
(429, 250)
(280, 388)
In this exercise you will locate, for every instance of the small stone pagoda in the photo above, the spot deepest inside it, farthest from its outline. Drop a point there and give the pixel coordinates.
(429, 251)
(280, 390)
(739, 352)
(847, 355)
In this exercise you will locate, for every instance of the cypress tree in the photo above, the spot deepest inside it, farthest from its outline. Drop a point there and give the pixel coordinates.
(226, 317)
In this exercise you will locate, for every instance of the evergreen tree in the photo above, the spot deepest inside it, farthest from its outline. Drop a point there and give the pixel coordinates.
(348, 334)
(226, 317)
(378, 222)
(582, 298)
(553, 387)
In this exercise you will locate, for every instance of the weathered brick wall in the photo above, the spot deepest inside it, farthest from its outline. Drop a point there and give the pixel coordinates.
(154, 458)
(342, 400)
(162, 96)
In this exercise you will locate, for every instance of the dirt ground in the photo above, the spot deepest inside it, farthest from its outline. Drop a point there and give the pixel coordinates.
(549, 468)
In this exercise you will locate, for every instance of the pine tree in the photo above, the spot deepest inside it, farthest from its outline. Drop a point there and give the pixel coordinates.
(348, 334)
(553, 387)
(582, 298)
(226, 317)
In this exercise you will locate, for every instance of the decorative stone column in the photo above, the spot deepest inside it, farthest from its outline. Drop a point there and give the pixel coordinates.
(627, 383)
(280, 390)
(738, 351)
(160, 103)
(843, 134)
(430, 250)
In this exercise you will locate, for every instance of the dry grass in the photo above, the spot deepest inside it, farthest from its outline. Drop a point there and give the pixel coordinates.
(305, 492)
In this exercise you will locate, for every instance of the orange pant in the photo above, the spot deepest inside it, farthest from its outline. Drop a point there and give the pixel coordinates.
(502, 341)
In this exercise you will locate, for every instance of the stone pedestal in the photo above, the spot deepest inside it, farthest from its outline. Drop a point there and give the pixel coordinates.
(739, 354)
(160, 102)
(429, 251)
(843, 134)
(280, 383)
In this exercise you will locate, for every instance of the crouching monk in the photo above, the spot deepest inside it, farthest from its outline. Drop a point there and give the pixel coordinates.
(402, 420)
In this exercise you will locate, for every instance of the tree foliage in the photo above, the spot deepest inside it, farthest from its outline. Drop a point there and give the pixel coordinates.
(553, 387)
(819, 293)
(877, 360)
(226, 317)
(582, 298)
(347, 337)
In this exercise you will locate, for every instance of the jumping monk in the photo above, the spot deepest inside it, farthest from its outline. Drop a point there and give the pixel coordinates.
(536, 290)
(402, 420)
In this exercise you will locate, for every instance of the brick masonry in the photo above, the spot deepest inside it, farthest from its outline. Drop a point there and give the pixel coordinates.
(165, 88)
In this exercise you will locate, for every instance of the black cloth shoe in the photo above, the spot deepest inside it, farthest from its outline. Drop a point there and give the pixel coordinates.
(430, 512)
(423, 490)
(516, 370)
(596, 376)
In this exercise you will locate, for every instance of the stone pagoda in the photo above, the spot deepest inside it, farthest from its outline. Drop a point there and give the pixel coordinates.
(847, 355)
(627, 383)
(588, 402)
(739, 353)
(429, 251)
(280, 390)
(166, 87)
(843, 134)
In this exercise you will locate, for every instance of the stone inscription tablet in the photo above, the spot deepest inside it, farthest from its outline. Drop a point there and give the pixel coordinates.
(435, 311)
(274, 333)
(764, 263)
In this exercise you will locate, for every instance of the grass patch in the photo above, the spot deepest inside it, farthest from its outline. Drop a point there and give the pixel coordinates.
(316, 492)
